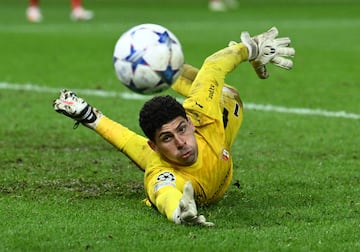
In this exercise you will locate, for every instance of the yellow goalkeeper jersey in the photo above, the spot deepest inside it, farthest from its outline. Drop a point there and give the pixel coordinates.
(210, 174)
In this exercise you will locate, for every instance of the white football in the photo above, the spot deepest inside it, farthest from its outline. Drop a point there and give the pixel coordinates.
(148, 58)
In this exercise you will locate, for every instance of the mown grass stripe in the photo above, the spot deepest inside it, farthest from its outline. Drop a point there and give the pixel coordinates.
(134, 96)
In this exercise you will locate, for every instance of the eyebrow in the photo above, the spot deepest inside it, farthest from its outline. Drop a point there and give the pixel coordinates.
(178, 126)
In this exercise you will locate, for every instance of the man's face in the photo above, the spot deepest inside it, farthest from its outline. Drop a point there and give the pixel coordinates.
(175, 141)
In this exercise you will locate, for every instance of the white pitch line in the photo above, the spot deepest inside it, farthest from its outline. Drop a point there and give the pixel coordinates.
(302, 111)
(134, 96)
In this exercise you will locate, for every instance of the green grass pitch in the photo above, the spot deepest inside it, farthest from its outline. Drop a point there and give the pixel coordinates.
(297, 157)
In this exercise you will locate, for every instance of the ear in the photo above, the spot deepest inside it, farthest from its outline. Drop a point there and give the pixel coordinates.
(152, 145)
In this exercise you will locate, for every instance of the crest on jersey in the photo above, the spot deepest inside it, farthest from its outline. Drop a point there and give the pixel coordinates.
(225, 154)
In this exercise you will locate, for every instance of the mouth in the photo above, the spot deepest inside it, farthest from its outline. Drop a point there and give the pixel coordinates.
(186, 155)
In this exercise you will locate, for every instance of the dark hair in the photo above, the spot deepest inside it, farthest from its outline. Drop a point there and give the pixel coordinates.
(158, 111)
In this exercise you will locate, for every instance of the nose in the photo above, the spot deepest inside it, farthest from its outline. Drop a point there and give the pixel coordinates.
(179, 141)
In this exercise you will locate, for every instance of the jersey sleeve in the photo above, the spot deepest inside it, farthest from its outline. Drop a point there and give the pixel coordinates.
(205, 92)
(128, 142)
(183, 84)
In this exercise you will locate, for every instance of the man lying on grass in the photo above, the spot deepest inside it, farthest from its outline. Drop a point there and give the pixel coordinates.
(186, 155)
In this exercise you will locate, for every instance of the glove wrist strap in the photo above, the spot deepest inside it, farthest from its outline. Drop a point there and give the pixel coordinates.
(87, 116)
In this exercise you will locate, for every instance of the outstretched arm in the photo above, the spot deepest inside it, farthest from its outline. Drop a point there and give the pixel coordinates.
(131, 144)
(206, 89)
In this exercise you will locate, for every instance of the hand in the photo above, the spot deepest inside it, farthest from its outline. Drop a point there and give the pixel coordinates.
(266, 48)
(76, 108)
(186, 213)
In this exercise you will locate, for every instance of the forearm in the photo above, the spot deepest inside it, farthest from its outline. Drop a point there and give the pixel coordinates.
(184, 82)
(163, 192)
(207, 87)
(127, 141)
(225, 61)
(167, 200)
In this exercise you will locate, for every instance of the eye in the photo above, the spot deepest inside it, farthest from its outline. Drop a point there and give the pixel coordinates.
(182, 128)
(166, 138)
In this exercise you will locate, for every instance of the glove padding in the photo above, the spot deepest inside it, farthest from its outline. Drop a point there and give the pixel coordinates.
(186, 213)
(265, 48)
(72, 106)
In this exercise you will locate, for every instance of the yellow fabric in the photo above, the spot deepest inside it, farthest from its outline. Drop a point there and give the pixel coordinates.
(127, 141)
(230, 104)
(184, 82)
(167, 200)
(212, 172)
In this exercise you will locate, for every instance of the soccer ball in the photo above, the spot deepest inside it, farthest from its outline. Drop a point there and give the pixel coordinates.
(148, 58)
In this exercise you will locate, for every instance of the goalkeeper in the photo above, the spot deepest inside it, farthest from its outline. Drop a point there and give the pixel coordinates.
(186, 155)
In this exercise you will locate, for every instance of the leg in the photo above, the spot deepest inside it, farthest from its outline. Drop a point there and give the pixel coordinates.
(78, 13)
(34, 3)
(33, 12)
(76, 4)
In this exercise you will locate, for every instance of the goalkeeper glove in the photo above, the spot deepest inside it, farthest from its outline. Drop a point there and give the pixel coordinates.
(76, 108)
(186, 213)
(266, 48)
